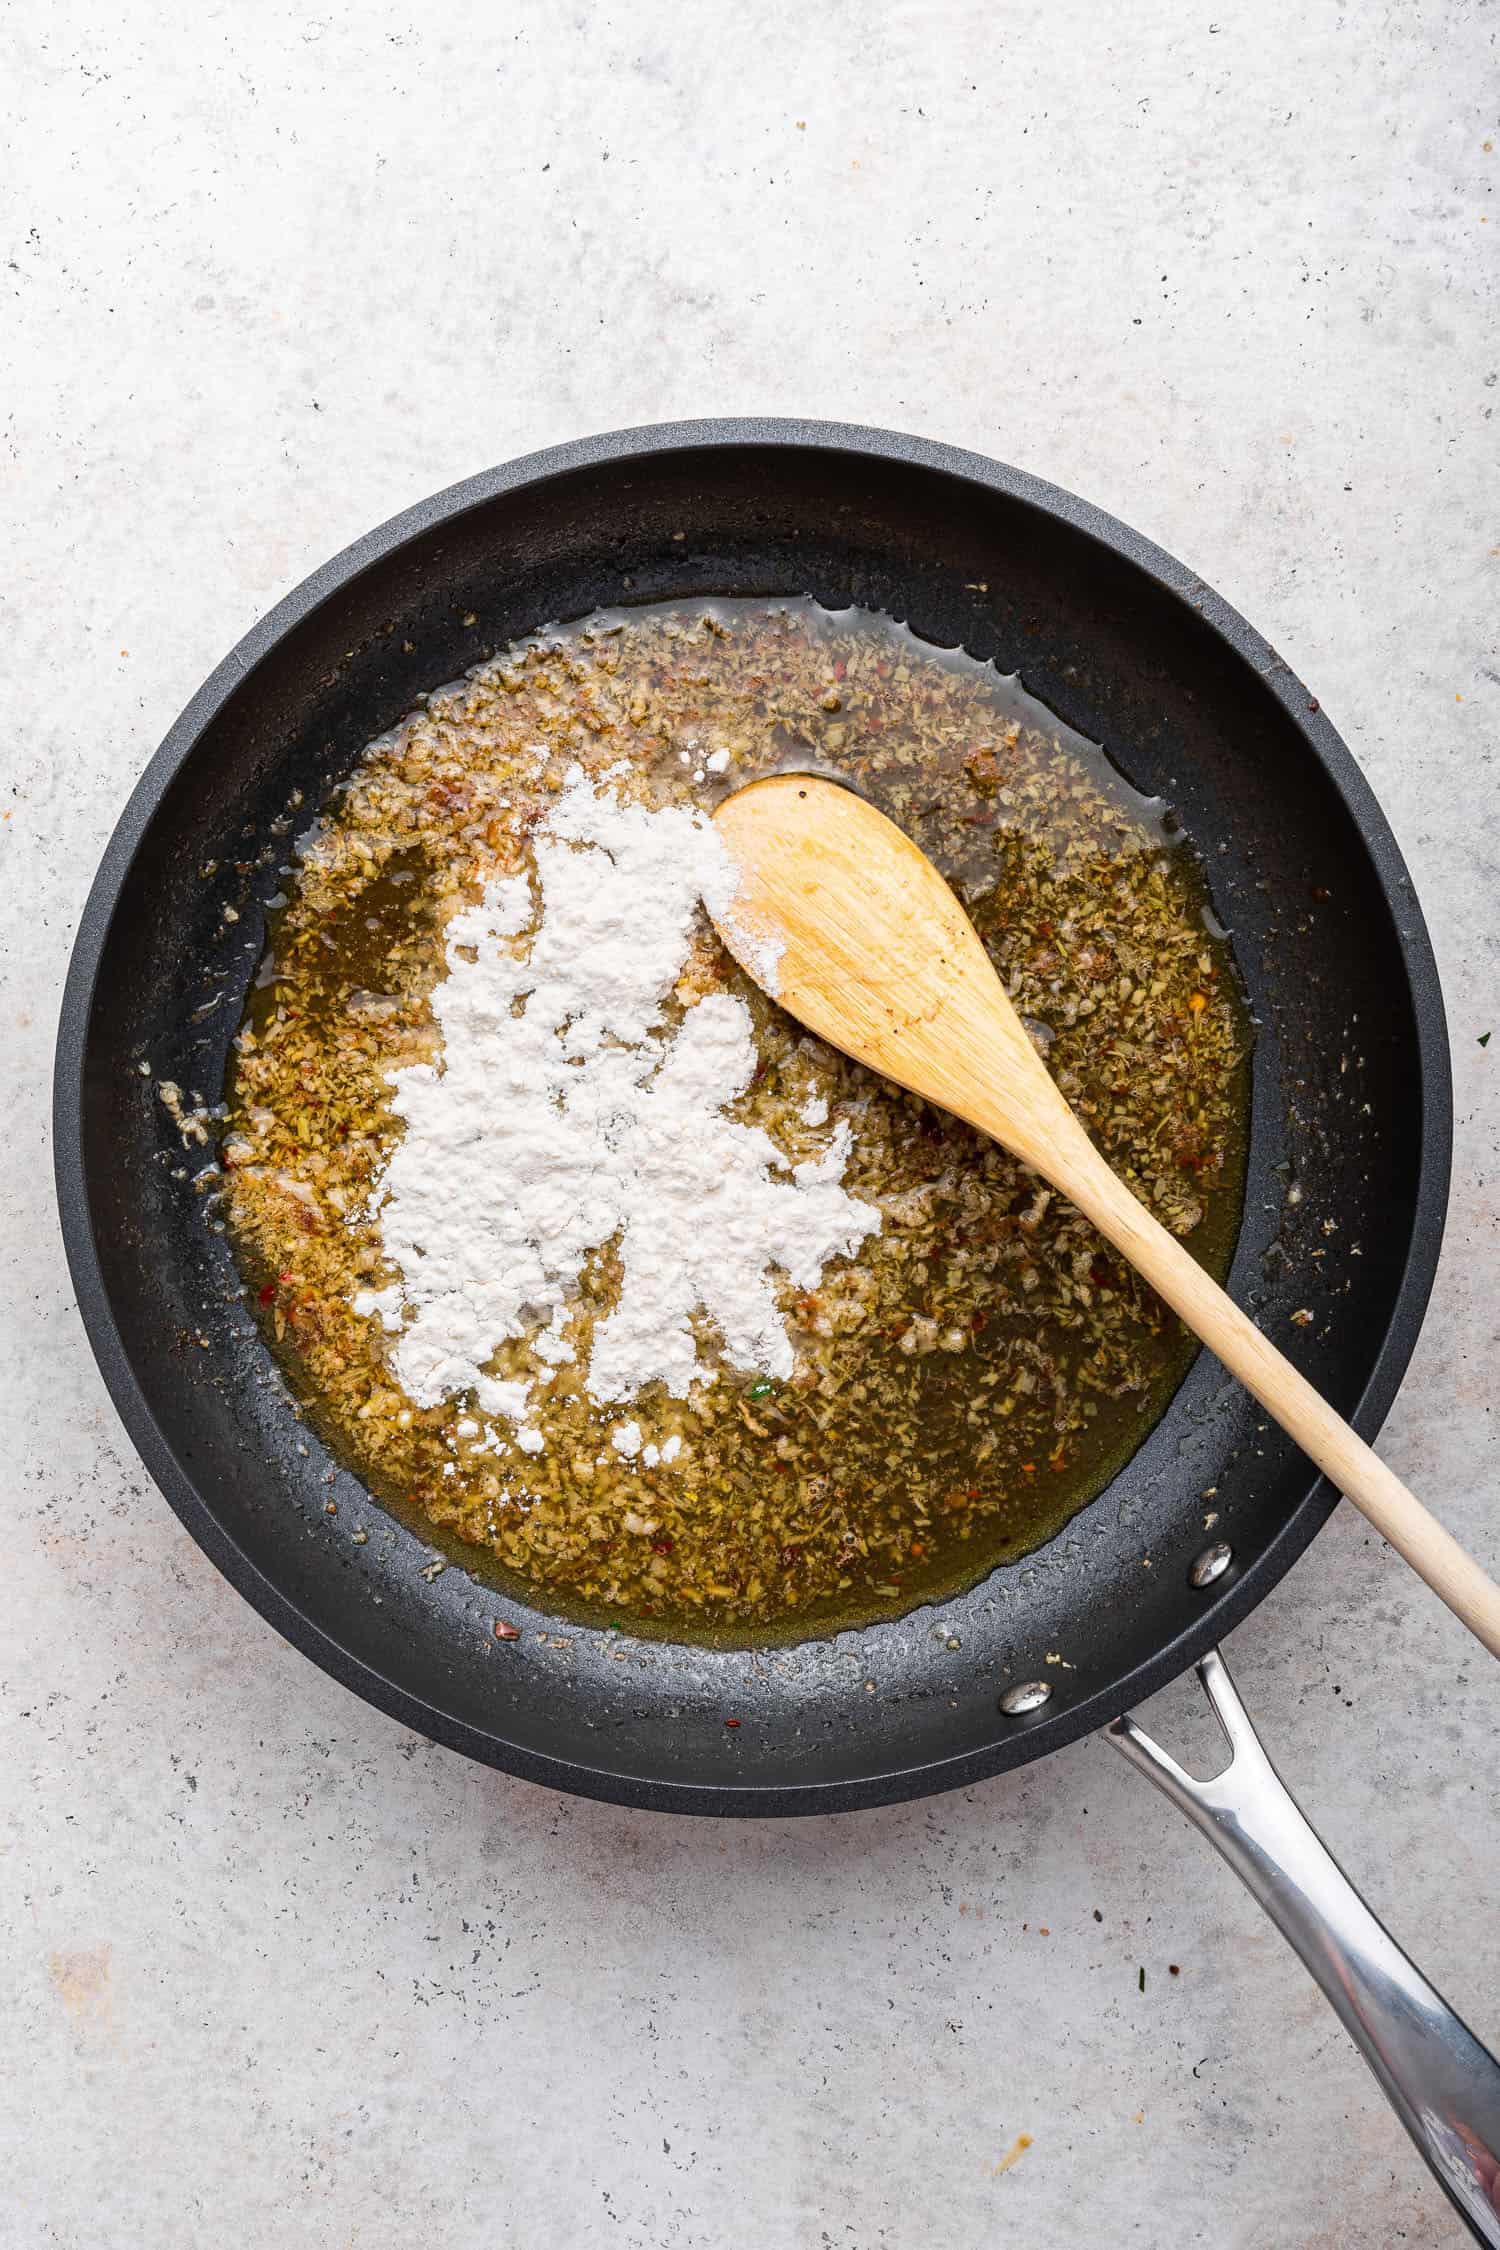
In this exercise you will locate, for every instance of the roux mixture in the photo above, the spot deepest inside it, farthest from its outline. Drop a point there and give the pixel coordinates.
(963, 1380)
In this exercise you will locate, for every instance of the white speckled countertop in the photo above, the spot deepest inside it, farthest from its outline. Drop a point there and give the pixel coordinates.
(278, 1974)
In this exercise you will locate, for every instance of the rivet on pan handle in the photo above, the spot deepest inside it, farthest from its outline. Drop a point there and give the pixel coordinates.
(1443, 2085)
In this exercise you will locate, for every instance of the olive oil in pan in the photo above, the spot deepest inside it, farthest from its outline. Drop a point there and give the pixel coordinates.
(986, 1364)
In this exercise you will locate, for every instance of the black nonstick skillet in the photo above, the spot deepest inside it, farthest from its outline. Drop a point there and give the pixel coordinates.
(1351, 1124)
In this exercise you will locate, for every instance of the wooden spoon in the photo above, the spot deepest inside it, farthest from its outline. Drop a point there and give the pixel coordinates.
(853, 930)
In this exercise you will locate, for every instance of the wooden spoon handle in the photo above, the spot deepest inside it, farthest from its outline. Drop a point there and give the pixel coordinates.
(1343, 1456)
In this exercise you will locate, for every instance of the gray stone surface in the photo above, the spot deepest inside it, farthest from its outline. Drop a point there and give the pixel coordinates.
(279, 1975)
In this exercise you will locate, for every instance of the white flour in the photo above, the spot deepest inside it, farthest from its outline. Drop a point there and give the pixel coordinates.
(560, 1118)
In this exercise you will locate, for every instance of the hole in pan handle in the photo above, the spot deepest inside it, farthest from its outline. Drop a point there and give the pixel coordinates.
(1443, 2085)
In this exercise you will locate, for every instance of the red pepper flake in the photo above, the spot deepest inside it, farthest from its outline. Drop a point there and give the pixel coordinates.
(839, 667)
(731, 1722)
(268, 1293)
(505, 1631)
(661, 1546)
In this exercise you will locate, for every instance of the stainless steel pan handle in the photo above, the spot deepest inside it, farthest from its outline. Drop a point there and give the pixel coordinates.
(1443, 2085)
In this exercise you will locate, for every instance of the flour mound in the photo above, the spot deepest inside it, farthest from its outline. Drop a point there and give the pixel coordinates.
(562, 1117)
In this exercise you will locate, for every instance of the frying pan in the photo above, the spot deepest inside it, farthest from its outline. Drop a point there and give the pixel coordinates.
(1348, 1158)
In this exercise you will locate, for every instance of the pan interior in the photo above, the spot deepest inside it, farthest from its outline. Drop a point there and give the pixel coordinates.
(1334, 1176)
(918, 1443)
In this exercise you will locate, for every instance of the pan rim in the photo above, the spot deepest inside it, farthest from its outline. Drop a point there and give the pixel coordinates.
(1016, 1741)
